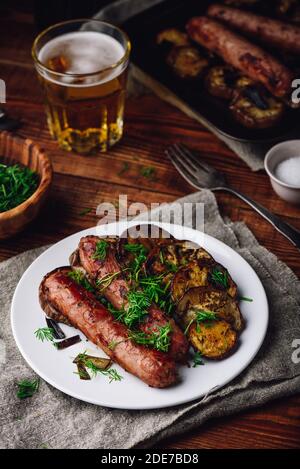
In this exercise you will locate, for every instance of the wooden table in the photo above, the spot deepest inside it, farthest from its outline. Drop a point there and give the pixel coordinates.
(83, 182)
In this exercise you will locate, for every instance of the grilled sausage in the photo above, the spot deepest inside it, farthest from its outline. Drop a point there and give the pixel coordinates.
(241, 54)
(273, 32)
(116, 293)
(82, 311)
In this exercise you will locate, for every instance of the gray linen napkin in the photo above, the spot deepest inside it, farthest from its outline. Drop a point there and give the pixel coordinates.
(251, 153)
(55, 420)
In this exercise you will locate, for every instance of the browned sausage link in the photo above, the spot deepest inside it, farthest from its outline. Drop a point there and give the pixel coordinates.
(85, 313)
(241, 54)
(276, 33)
(117, 292)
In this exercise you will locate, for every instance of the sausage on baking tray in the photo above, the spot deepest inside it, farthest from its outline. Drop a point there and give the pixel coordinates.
(276, 33)
(116, 293)
(241, 54)
(58, 292)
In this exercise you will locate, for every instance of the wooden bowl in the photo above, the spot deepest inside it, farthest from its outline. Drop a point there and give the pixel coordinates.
(14, 150)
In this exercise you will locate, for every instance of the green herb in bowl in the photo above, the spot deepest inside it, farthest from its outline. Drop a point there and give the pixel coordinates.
(17, 184)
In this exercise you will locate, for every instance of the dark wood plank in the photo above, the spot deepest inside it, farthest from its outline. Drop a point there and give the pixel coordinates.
(84, 182)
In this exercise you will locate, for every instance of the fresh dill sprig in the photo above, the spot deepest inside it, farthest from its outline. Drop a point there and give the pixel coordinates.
(45, 333)
(158, 292)
(26, 388)
(134, 247)
(197, 359)
(135, 311)
(219, 277)
(201, 317)
(101, 250)
(111, 373)
(105, 281)
(138, 304)
(159, 339)
(79, 277)
(138, 261)
(152, 286)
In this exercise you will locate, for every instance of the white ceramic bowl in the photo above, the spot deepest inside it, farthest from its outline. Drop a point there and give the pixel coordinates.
(280, 152)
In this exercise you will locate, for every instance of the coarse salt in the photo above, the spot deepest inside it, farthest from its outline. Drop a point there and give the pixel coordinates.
(288, 171)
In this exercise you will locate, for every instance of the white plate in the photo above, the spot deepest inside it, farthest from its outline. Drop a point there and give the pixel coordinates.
(56, 367)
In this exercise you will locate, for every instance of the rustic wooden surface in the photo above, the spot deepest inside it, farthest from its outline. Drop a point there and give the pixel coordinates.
(83, 182)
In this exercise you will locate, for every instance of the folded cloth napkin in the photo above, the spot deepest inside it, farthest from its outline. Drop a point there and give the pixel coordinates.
(252, 154)
(54, 420)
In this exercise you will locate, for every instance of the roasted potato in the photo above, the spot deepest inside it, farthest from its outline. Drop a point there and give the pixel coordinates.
(186, 61)
(173, 36)
(254, 109)
(222, 81)
(215, 340)
(213, 300)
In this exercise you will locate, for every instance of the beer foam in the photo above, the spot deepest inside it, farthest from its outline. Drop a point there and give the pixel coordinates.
(84, 52)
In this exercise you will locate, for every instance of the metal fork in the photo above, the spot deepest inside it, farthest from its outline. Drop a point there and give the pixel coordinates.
(203, 176)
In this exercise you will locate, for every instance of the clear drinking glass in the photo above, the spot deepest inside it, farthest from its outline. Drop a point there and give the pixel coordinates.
(82, 65)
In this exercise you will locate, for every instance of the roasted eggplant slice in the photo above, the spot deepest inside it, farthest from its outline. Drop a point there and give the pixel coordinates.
(173, 36)
(202, 273)
(170, 257)
(213, 300)
(193, 275)
(215, 340)
(255, 110)
(186, 61)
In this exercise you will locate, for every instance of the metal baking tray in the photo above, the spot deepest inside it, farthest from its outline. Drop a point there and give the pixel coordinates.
(191, 96)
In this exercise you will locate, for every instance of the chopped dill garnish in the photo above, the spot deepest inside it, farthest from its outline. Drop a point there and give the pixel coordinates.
(158, 292)
(124, 169)
(141, 256)
(79, 277)
(245, 298)
(17, 184)
(171, 266)
(201, 316)
(148, 172)
(101, 250)
(161, 256)
(105, 281)
(219, 277)
(197, 359)
(159, 339)
(85, 211)
(135, 311)
(112, 345)
(26, 388)
(138, 304)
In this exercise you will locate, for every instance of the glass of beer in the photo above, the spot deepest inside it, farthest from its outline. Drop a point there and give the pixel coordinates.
(82, 65)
